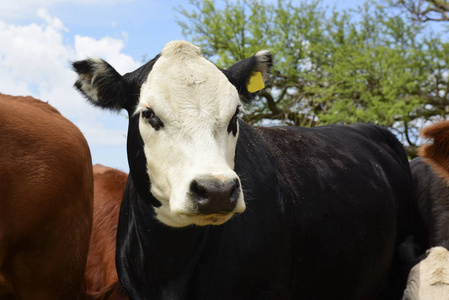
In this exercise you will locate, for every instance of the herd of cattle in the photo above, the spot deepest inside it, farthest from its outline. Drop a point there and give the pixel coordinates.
(214, 208)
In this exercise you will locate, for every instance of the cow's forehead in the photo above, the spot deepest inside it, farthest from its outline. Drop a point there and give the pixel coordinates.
(182, 80)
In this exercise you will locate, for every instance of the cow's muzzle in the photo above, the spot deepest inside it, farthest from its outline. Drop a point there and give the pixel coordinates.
(213, 196)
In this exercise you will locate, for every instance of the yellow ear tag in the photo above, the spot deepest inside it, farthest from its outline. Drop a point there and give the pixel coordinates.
(255, 82)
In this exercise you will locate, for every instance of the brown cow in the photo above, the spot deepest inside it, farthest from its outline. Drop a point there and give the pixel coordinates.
(438, 151)
(101, 274)
(429, 279)
(46, 196)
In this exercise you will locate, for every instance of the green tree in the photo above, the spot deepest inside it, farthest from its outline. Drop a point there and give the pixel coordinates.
(230, 31)
(425, 10)
(376, 71)
(330, 66)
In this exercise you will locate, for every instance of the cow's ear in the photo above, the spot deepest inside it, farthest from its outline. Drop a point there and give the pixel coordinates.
(248, 75)
(101, 84)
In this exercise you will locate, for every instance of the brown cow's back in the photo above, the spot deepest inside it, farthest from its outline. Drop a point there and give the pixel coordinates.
(437, 152)
(46, 194)
(101, 274)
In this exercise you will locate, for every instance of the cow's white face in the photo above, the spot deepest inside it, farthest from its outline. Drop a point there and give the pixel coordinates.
(188, 123)
(183, 128)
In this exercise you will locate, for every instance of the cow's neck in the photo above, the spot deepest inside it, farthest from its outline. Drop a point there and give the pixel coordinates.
(166, 256)
(166, 261)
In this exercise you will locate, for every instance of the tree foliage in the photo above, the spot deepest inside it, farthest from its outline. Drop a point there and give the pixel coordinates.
(330, 66)
(425, 10)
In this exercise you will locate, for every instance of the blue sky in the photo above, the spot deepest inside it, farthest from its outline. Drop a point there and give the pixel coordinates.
(38, 39)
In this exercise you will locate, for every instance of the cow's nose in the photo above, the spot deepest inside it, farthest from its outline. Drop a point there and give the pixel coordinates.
(215, 196)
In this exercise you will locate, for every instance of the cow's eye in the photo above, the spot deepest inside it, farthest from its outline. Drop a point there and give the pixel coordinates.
(149, 116)
(232, 127)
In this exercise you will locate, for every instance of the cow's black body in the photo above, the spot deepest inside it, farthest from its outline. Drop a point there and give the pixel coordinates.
(433, 201)
(326, 208)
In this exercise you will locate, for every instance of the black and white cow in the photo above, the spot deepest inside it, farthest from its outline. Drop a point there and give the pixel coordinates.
(303, 213)
(429, 279)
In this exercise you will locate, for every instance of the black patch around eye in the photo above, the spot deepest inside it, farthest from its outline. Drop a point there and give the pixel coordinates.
(149, 116)
(232, 127)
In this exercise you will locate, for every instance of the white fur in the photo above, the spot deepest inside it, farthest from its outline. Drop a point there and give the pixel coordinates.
(195, 101)
(263, 57)
(87, 85)
(429, 280)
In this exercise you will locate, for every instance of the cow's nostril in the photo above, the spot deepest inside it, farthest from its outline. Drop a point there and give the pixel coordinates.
(235, 191)
(199, 191)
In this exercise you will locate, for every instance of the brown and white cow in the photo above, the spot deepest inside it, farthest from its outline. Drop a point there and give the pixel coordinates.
(46, 195)
(101, 274)
(429, 279)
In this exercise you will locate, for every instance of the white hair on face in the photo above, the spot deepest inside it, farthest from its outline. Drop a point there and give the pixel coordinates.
(429, 279)
(196, 103)
(180, 49)
(184, 87)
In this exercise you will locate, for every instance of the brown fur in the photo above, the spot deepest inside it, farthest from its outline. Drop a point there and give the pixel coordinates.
(46, 196)
(101, 274)
(438, 151)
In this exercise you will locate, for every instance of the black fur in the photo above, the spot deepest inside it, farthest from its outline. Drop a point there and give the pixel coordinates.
(328, 210)
(319, 201)
(137, 159)
(110, 86)
(433, 200)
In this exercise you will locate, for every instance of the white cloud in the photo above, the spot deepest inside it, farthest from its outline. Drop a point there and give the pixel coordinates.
(51, 21)
(106, 48)
(35, 60)
(32, 55)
